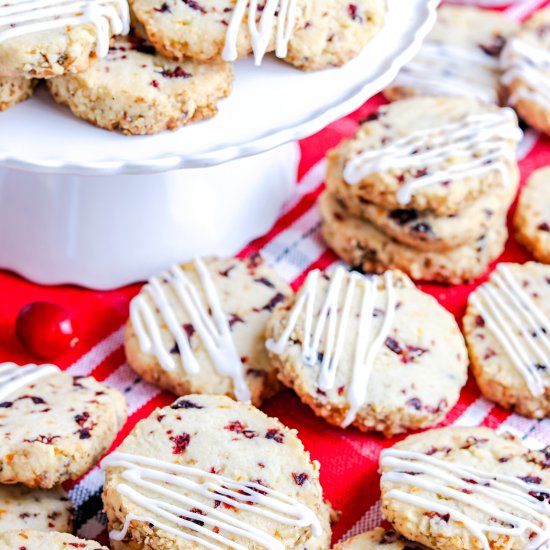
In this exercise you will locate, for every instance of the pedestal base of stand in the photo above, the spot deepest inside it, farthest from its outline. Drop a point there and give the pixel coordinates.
(108, 231)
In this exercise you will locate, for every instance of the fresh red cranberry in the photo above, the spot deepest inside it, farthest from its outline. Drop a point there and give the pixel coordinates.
(45, 330)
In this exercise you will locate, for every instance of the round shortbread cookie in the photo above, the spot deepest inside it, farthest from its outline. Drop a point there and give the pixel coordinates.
(15, 90)
(425, 230)
(211, 30)
(507, 327)
(53, 426)
(200, 328)
(378, 539)
(460, 57)
(427, 153)
(24, 508)
(208, 470)
(526, 64)
(532, 217)
(36, 540)
(335, 32)
(137, 91)
(41, 39)
(372, 352)
(467, 488)
(364, 246)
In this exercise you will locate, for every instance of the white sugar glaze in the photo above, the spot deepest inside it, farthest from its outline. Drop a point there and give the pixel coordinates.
(328, 328)
(275, 12)
(482, 143)
(23, 17)
(209, 320)
(450, 480)
(14, 377)
(149, 482)
(518, 324)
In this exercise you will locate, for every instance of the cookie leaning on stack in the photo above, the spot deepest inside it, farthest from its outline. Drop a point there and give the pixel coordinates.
(424, 187)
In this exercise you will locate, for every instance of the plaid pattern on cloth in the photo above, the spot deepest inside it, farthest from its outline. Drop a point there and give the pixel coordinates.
(349, 459)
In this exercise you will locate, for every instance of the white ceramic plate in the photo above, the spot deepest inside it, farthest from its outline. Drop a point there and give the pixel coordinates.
(270, 105)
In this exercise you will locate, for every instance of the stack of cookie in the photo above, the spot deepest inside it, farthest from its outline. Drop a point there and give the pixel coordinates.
(424, 187)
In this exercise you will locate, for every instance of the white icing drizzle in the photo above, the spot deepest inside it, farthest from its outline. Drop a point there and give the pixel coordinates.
(329, 326)
(209, 321)
(447, 479)
(480, 143)
(13, 377)
(151, 483)
(531, 65)
(22, 17)
(518, 324)
(444, 69)
(281, 11)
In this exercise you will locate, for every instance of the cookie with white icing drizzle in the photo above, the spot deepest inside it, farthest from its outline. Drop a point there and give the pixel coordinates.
(532, 216)
(210, 472)
(467, 488)
(526, 64)
(37, 540)
(136, 90)
(199, 328)
(211, 30)
(45, 38)
(460, 57)
(335, 32)
(427, 153)
(15, 90)
(378, 539)
(372, 352)
(361, 244)
(53, 426)
(507, 327)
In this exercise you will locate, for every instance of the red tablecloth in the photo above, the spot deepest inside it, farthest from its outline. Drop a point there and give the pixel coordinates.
(349, 458)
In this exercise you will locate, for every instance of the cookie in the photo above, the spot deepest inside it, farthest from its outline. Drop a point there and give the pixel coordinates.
(137, 91)
(427, 153)
(15, 90)
(526, 64)
(364, 246)
(467, 488)
(425, 230)
(335, 32)
(53, 426)
(211, 472)
(199, 328)
(45, 38)
(36, 540)
(507, 327)
(532, 217)
(377, 539)
(460, 57)
(372, 352)
(212, 30)
(24, 508)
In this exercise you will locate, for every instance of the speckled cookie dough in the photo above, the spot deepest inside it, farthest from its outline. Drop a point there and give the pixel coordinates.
(466, 488)
(378, 539)
(36, 540)
(15, 90)
(208, 469)
(507, 327)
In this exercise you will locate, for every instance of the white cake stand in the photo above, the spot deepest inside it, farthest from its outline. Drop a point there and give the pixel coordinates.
(82, 205)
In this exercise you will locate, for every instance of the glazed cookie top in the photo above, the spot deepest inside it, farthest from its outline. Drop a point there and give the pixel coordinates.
(211, 472)
(206, 321)
(460, 55)
(35, 540)
(430, 153)
(508, 325)
(347, 336)
(378, 539)
(467, 488)
(526, 61)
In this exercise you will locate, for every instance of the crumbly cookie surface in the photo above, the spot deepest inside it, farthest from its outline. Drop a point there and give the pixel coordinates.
(506, 326)
(364, 246)
(466, 488)
(15, 90)
(377, 539)
(180, 357)
(54, 428)
(532, 217)
(229, 465)
(137, 91)
(35, 540)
